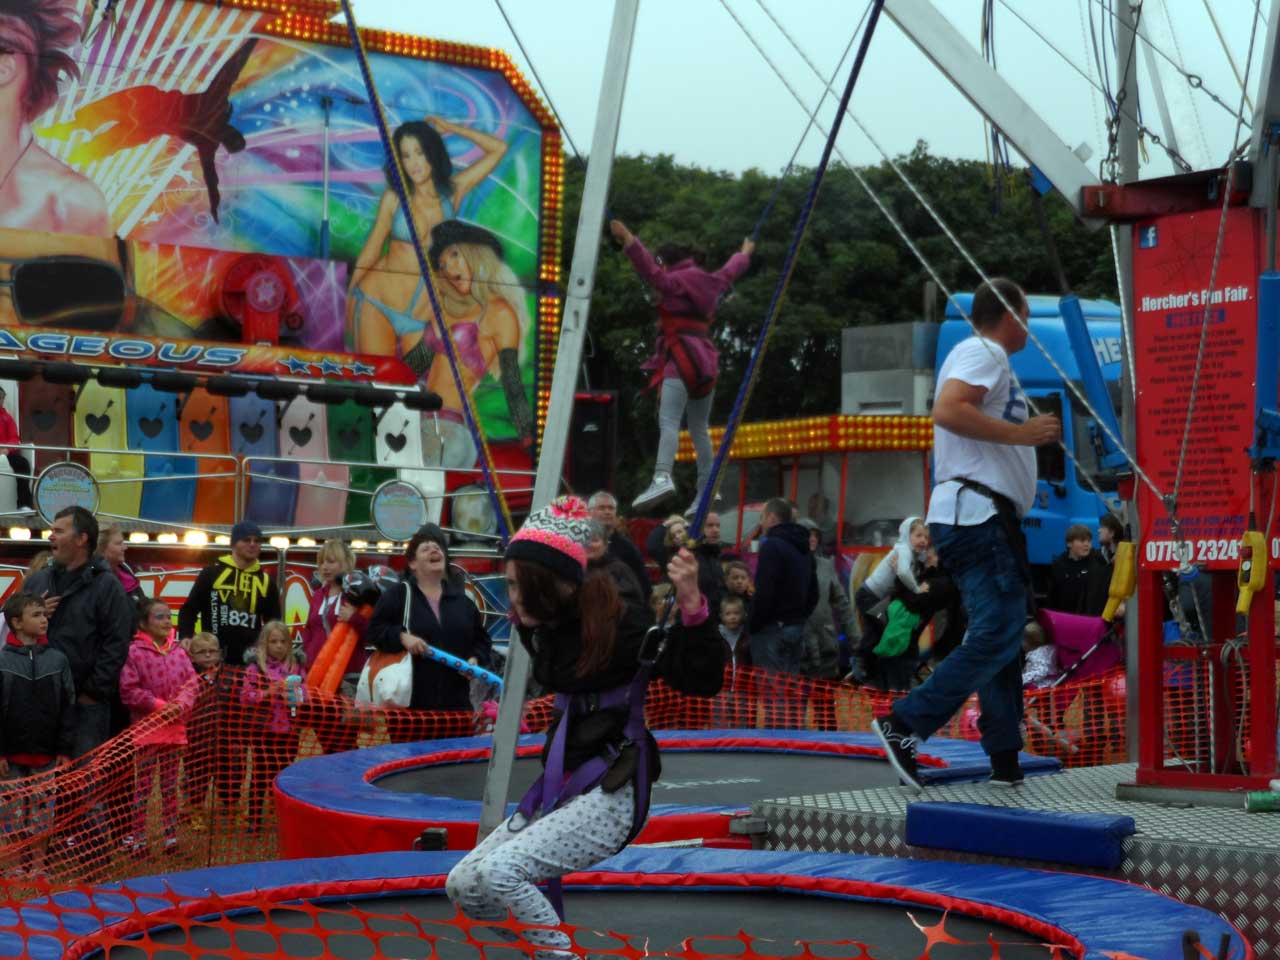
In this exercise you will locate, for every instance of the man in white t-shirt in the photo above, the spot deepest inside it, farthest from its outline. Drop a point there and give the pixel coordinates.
(985, 463)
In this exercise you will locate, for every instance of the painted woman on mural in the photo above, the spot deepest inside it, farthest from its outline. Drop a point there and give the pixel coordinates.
(387, 294)
(38, 191)
(485, 309)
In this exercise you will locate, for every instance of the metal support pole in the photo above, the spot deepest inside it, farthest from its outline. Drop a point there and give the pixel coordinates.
(326, 104)
(1127, 68)
(573, 331)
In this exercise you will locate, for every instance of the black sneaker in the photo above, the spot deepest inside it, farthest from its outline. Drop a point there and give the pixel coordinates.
(1006, 772)
(900, 745)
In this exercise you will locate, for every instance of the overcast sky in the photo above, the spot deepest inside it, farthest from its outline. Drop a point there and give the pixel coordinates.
(698, 89)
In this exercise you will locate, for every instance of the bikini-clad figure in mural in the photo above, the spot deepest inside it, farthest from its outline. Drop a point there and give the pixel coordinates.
(486, 311)
(387, 295)
(37, 190)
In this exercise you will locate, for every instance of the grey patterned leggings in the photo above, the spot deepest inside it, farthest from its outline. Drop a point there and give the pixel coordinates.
(673, 404)
(500, 874)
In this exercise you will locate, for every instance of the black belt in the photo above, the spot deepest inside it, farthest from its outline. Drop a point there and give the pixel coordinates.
(1008, 516)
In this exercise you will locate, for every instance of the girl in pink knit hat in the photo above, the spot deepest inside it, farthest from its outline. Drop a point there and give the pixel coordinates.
(600, 761)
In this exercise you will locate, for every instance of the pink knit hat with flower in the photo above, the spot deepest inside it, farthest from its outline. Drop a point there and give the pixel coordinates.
(555, 537)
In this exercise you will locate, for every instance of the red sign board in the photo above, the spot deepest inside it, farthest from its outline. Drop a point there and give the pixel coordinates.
(1173, 261)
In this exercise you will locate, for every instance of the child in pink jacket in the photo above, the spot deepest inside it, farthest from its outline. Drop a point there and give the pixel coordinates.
(157, 678)
(273, 683)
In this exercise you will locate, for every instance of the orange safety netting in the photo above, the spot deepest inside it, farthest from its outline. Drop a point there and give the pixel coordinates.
(131, 808)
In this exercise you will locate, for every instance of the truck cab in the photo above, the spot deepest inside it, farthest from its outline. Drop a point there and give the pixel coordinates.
(1065, 493)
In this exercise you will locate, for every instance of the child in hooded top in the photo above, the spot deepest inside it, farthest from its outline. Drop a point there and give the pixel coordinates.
(685, 361)
(37, 720)
(898, 569)
(202, 728)
(157, 678)
(273, 682)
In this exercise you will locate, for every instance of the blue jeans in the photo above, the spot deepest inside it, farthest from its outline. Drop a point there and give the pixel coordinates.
(778, 647)
(989, 576)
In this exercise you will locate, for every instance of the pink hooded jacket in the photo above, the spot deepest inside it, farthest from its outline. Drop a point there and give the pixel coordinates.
(274, 689)
(153, 676)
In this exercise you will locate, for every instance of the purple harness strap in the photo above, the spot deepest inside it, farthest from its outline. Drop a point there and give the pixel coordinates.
(551, 790)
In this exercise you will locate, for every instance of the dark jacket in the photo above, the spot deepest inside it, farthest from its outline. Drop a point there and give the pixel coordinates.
(786, 578)
(460, 631)
(832, 615)
(232, 604)
(1079, 586)
(943, 598)
(628, 553)
(710, 573)
(92, 626)
(624, 578)
(692, 662)
(37, 701)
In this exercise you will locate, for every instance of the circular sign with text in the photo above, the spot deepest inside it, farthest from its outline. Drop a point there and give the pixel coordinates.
(62, 485)
(398, 510)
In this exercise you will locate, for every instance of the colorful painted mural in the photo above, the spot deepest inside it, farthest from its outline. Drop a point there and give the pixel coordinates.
(203, 186)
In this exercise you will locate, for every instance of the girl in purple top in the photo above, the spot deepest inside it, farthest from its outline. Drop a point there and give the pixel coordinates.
(685, 362)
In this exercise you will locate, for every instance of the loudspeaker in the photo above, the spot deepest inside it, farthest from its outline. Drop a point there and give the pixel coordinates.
(593, 442)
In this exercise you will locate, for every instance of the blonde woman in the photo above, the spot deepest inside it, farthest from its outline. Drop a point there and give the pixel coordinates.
(333, 562)
(486, 311)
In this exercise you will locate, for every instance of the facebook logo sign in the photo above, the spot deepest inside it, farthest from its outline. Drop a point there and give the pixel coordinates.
(1148, 237)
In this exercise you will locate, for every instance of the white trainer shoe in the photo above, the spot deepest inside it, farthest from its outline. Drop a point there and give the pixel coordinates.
(660, 489)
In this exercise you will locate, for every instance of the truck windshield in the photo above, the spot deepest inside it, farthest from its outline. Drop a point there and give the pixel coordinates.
(1086, 441)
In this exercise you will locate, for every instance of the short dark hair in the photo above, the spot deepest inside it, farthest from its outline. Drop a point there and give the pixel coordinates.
(82, 521)
(1078, 531)
(989, 302)
(732, 600)
(780, 508)
(17, 605)
(1112, 523)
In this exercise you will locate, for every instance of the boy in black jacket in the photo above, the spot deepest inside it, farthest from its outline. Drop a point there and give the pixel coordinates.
(37, 718)
(233, 598)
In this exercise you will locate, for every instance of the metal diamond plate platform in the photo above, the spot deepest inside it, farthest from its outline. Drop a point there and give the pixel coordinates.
(1223, 859)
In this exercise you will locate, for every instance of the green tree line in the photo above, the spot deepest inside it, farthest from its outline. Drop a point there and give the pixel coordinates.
(852, 270)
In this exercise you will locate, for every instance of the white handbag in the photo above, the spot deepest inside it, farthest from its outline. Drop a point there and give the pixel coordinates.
(387, 678)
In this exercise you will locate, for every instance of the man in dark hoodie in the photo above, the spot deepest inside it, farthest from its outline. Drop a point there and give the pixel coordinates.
(90, 620)
(234, 598)
(786, 590)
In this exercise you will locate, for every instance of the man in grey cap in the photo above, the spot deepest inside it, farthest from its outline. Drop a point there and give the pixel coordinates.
(234, 597)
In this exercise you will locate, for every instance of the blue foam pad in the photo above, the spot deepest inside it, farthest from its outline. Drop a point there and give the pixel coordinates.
(1080, 839)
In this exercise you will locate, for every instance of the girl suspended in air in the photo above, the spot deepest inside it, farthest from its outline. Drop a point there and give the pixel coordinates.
(685, 363)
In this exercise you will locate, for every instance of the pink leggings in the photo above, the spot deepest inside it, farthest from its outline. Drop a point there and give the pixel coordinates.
(161, 758)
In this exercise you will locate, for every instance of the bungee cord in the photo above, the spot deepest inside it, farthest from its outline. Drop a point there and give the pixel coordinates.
(708, 492)
(1075, 391)
(1213, 279)
(399, 184)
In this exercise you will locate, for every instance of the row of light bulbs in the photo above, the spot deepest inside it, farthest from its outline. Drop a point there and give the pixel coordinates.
(198, 538)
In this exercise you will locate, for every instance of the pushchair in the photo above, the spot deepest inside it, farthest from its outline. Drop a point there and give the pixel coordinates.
(1087, 648)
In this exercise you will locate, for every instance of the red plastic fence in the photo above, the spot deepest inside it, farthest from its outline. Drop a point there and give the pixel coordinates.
(132, 809)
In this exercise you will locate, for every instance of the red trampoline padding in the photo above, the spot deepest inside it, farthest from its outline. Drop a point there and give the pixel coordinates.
(349, 834)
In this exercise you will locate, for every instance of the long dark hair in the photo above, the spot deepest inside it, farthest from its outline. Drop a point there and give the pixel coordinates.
(437, 155)
(595, 604)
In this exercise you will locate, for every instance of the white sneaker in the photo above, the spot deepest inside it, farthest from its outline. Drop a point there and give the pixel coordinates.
(660, 489)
